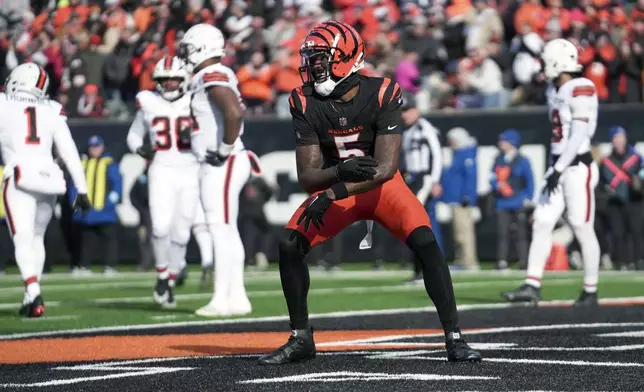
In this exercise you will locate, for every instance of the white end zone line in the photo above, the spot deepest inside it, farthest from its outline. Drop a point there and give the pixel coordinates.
(356, 313)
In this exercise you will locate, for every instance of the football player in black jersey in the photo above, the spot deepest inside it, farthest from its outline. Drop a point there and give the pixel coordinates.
(348, 133)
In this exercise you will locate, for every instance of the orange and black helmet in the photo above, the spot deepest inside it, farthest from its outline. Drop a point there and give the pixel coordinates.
(331, 49)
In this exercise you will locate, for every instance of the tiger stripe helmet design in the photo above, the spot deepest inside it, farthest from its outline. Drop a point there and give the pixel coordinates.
(29, 78)
(167, 72)
(331, 52)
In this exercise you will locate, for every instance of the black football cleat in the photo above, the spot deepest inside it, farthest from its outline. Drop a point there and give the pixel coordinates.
(525, 293)
(163, 294)
(300, 347)
(459, 351)
(586, 300)
(33, 309)
(181, 278)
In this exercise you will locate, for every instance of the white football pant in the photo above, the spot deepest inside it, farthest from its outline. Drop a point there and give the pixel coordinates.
(576, 195)
(220, 188)
(174, 195)
(27, 215)
(203, 238)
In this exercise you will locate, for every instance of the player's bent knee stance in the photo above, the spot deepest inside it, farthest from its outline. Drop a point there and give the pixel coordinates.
(295, 276)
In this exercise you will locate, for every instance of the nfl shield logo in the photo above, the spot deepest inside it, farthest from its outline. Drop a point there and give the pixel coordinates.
(343, 121)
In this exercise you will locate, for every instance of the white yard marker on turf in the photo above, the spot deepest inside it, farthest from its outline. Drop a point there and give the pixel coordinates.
(50, 318)
(360, 376)
(627, 334)
(515, 361)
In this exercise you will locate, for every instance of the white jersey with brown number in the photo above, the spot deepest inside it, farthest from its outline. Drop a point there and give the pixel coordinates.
(162, 120)
(575, 99)
(208, 116)
(29, 130)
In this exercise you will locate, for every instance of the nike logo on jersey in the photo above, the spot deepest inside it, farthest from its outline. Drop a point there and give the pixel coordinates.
(390, 127)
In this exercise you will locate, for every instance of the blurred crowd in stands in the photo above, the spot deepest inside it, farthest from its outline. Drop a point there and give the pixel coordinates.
(452, 54)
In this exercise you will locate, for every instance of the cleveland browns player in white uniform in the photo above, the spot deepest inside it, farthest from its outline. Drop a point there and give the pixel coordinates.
(572, 176)
(218, 113)
(31, 125)
(164, 115)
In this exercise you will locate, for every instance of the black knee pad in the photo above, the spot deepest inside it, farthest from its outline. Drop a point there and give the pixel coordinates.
(421, 237)
(293, 246)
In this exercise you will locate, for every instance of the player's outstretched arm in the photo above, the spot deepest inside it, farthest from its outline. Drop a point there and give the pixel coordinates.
(386, 152)
(309, 174)
(69, 154)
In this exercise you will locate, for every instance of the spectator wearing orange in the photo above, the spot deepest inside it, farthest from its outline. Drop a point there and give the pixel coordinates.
(632, 60)
(528, 17)
(555, 10)
(286, 78)
(65, 12)
(604, 66)
(143, 15)
(255, 82)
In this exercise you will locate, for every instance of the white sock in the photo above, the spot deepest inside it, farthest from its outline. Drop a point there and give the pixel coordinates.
(38, 249)
(223, 261)
(26, 259)
(32, 288)
(204, 241)
(237, 288)
(591, 254)
(540, 249)
(177, 259)
(161, 249)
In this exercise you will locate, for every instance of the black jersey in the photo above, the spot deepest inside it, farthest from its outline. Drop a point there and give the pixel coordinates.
(346, 129)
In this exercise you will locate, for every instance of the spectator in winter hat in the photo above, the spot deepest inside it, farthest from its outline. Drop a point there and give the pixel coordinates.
(512, 185)
(90, 104)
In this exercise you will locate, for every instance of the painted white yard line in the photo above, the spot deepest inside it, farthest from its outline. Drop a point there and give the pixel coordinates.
(483, 331)
(353, 313)
(50, 318)
(126, 372)
(367, 274)
(326, 377)
(627, 334)
(515, 361)
(171, 317)
(399, 288)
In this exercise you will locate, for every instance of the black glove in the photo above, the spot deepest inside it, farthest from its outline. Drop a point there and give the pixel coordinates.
(81, 202)
(146, 151)
(356, 169)
(552, 182)
(314, 212)
(214, 158)
(184, 134)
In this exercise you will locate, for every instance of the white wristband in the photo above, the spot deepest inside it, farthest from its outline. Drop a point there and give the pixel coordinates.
(225, 149)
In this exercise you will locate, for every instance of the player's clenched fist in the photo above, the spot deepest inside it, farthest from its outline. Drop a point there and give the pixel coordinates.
(356, 169)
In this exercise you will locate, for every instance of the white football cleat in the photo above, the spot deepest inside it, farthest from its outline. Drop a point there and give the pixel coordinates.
(213, 310)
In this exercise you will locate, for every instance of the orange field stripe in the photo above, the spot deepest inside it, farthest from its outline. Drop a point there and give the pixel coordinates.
(157, 346)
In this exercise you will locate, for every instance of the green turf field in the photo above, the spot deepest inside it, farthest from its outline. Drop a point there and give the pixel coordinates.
(126, 299)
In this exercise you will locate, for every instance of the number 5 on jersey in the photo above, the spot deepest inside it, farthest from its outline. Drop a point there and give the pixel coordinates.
(342, 143)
